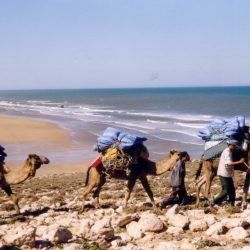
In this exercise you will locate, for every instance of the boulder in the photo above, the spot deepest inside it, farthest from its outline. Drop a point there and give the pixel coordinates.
(174, 230)
(73, 246)
(21, 237)
(233, 222)
(57, 234)
(179, 220)
(134, 230)
(167, 246)
(172, 211)
(150, 223)
(216, 229)
(102, 229)
(198, 225)
(210, 219)
(124, 220)
(237, 233)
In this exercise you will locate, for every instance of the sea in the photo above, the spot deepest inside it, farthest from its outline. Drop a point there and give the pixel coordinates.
(167, 117)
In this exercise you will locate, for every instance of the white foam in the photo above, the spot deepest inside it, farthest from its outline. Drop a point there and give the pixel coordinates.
(191, 125)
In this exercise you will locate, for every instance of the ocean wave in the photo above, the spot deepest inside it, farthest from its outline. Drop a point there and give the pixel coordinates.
(157, 122)
(179, 141)
(191, 125)
(180, 132)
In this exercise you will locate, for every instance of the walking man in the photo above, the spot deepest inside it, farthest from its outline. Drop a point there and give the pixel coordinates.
(226, 173)
(177, 182)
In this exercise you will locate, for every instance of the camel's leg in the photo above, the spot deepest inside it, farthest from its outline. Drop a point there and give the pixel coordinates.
(98, 190)
(199, 184)
(245, 190)
(130, 186)
(147, 188)
(13, 197)
(209, 175)
(89, 188)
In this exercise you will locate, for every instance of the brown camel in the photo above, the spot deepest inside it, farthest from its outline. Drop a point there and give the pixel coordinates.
(96, 177)
(28, 170)
(210, 172)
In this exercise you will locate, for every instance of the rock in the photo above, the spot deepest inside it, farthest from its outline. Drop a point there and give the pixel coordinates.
(83, 229)
(134, 230)
(210, 219)
(238, 233)
(57, 234)
(21, 236)
(123, 221)
(198, 225)
(73, 246)
(124, 238)
(150, 223)
(172, 211)
(102, 229)
(174, 230)
(185, 245)
(233, 222)
(245, 248)
(196, 213)
(167, 246)
(179, 220)
(216, 229)
(119, 210)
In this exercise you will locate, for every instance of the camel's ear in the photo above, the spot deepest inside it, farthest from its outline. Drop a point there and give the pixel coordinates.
(173, 151)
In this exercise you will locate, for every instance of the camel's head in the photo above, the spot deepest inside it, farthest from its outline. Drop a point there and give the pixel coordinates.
(34, 162)
(175, 156)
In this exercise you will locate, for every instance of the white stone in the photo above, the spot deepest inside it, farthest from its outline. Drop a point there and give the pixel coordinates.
(102, 229)
(172, 211)
(134, 230)
(245, 248)
(57, 234)
(196, 213)
(150, 223)
(179, 220)
(82, 228)
(21, 236)
(73, 246)
(167, 246)
(210, 219)
(216, 229)
(126, 219)
(198, 225)
(232, 222)
(238, 233)
(174, 230)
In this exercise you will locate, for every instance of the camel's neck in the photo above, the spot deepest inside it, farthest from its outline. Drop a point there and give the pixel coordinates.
(160, 167)
(18, 176)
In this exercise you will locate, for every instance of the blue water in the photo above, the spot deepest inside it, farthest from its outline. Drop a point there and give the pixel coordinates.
(168, 117)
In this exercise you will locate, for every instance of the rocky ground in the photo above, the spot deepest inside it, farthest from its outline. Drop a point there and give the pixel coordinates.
(50, 218)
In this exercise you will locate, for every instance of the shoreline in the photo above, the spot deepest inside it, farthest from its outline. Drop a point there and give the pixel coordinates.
(21, 136)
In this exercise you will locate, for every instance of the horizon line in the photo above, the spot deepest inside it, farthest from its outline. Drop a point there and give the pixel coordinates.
(108, 88)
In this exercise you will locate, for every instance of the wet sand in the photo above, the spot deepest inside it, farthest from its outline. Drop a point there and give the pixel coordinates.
(21, 136)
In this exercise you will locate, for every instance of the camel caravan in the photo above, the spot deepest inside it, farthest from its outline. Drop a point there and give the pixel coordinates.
(124, 156)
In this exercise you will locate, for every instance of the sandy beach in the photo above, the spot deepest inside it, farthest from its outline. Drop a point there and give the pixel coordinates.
(21, 136)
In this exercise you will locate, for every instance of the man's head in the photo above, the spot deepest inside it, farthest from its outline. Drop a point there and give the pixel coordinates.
(184, 156)
(232, 144)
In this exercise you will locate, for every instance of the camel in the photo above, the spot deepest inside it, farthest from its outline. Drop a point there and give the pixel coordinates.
(210, 172)
(95, 177)
(28, 170)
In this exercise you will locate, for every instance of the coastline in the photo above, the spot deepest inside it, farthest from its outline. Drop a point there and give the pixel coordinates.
(21, 136)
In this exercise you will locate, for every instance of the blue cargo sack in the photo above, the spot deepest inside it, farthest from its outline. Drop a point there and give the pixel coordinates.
(113, 137)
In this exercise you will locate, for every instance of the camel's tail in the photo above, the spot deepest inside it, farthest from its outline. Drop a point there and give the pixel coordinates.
(198, 172)
(87, 177)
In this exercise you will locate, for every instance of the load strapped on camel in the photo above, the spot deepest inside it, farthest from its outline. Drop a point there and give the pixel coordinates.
(218, 132)
(119, 151)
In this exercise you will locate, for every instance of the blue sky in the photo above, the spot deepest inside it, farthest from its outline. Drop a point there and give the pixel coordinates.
(124, 43)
